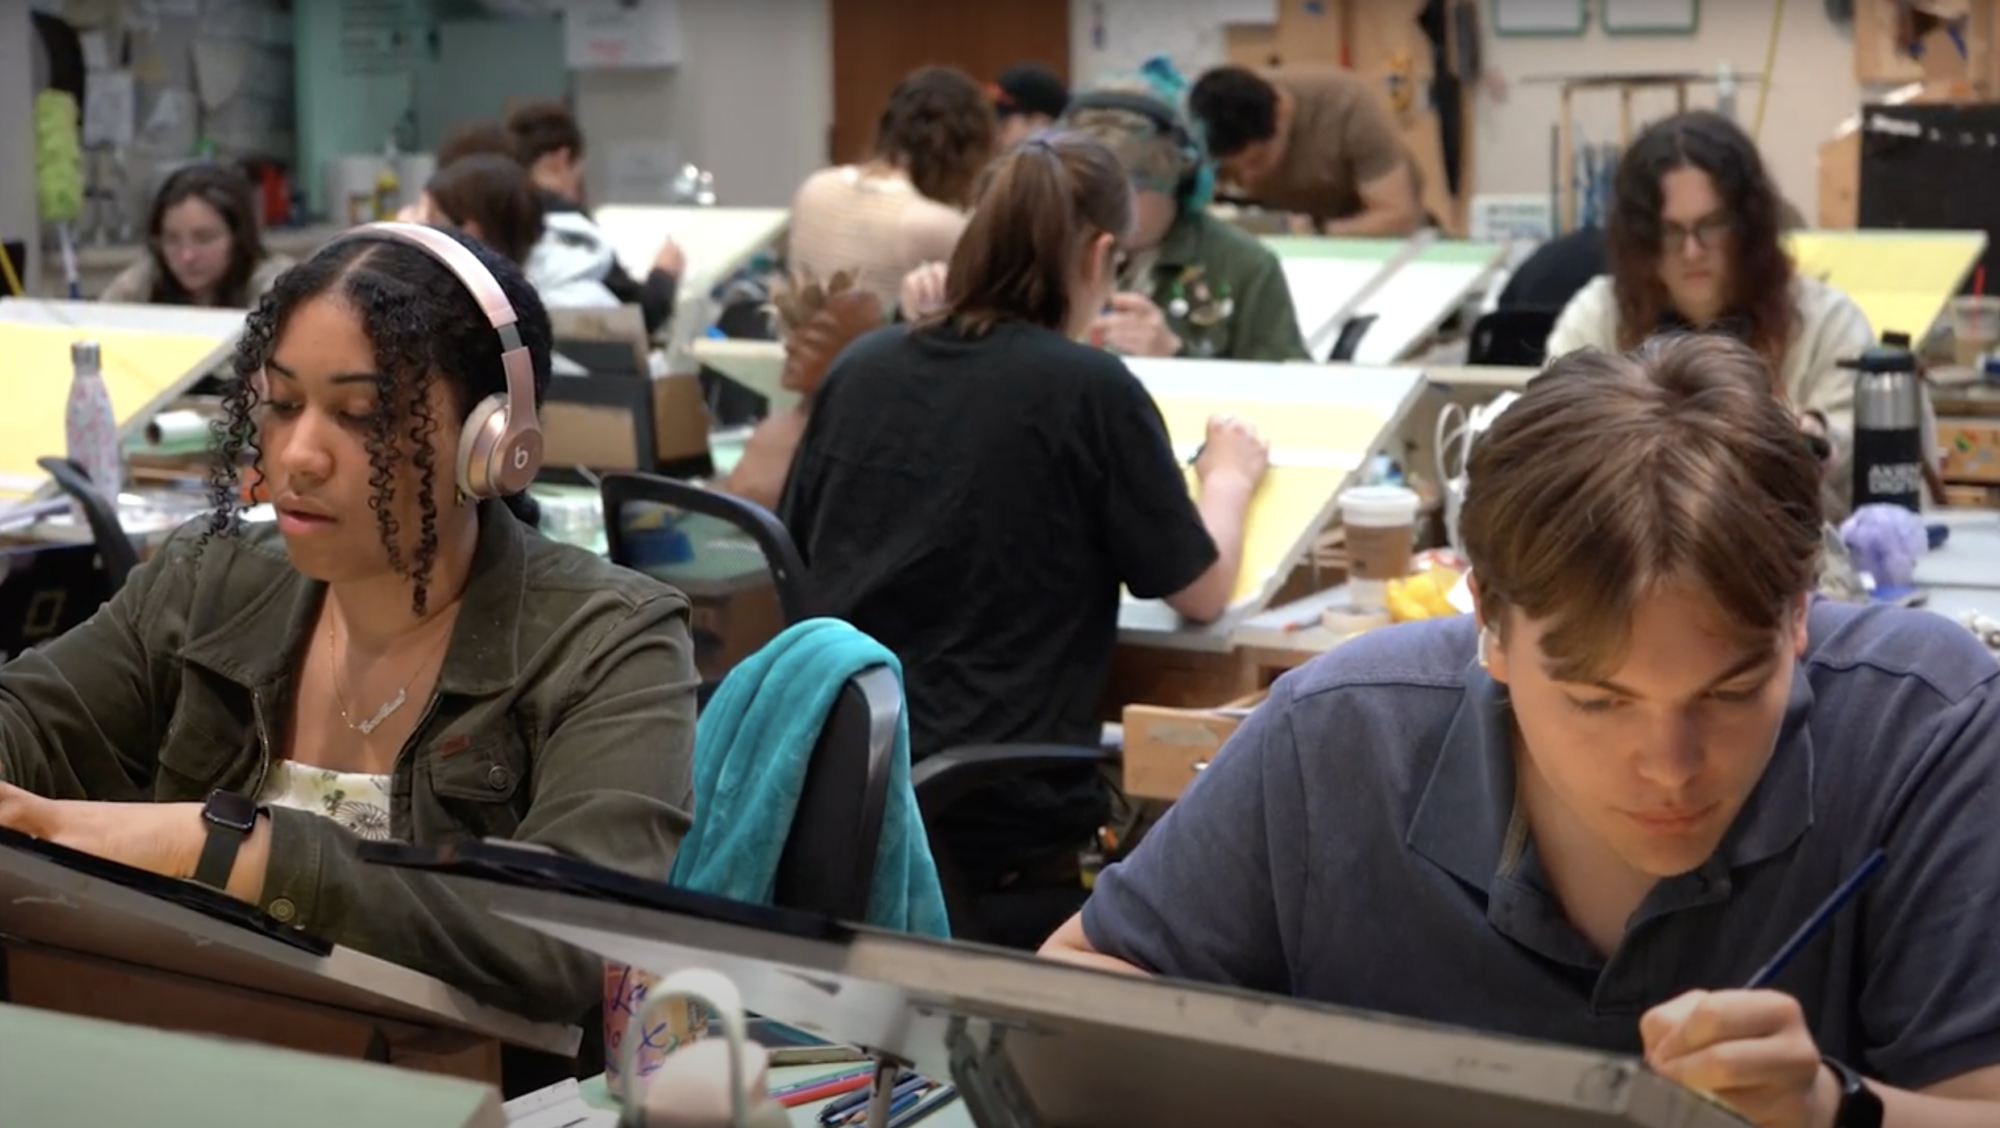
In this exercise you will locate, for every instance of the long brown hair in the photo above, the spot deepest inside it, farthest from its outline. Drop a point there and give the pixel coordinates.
(1759, 271)
(1614, 474)
(1039, 206)
(228, 192)
(941, 129)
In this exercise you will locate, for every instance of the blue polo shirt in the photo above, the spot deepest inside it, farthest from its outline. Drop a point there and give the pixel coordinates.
(1356, 842)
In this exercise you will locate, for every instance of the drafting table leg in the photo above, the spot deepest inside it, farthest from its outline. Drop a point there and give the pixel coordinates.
(986, 1080)
(1681, 97)
(887, 1072)
(1565, 166)
(1624, 118)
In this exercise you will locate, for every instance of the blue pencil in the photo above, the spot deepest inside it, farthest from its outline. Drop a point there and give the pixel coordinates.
(936, 1099)
(1869, 867)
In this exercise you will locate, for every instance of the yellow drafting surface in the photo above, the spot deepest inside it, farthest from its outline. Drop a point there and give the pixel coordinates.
(1315, 447)
(139, 369)
(1900, 279)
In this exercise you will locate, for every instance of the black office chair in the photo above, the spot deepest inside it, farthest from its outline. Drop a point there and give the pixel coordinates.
(828, 864)
(735, 611)
(1514, 337)
(1009, 918)
(114, 547)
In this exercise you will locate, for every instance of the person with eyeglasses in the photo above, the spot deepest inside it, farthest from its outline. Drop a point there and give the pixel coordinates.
(204, 246)
(1695, 242)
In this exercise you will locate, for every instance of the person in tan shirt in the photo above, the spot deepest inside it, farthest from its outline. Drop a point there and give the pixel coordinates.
(1313, 141)
(906, 205)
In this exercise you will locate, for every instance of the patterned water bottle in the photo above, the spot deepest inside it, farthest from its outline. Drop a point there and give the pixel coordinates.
(90, 430)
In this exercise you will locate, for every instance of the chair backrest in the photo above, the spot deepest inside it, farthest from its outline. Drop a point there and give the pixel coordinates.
(732, 558)
(114, 547)
(828, 864)
(1514, 337)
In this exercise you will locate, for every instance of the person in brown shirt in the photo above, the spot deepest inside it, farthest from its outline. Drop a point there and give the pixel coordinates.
(1314, 141)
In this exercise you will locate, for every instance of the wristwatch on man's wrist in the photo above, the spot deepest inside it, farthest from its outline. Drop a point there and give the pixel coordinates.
(1859, 1106)
(229, 818)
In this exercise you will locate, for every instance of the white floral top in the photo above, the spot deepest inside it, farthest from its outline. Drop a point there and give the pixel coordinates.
(358, 801)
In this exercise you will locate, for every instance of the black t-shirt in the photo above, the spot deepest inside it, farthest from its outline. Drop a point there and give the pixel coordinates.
(975, 505)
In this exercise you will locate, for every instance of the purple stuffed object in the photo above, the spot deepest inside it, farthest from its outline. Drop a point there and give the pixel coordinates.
(1886, 541)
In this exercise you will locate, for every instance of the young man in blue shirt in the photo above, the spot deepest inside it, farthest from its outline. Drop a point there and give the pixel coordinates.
(1590, 812)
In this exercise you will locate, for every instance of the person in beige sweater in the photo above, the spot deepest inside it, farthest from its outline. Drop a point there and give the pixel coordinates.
(1695, 241)
(203, 245)
(906, 205)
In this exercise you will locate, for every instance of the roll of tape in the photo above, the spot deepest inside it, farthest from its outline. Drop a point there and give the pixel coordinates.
(1349, 619)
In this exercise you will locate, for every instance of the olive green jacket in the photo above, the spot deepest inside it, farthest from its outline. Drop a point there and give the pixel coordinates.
(1224, 293)
(563, 716)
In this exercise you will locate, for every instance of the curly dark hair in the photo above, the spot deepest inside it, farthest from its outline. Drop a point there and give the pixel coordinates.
(1233, 108)
(1759, 301)
(228, 192)
(940, 126)
(422, 321)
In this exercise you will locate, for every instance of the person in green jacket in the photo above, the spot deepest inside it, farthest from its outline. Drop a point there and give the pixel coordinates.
(1190, 285)
(392, 657)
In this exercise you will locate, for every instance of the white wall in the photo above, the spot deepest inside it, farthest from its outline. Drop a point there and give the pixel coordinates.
(1813, 87)
(18, 219)
(1812, 90)
(751, 101)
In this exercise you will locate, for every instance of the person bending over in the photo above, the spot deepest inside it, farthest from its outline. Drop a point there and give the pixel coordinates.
(1313, 141)
(392, 658)
(974, 489)
(1027, 98)
(1590, 811)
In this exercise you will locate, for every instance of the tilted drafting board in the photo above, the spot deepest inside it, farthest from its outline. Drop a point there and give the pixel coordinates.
(150, 356)
(756, 365)
(1094, 1048)
(1412, 302)
(715, 241)
(1902, 280)
(1323, 425)
(64, 1069)
(1325, 276)
(51, 905)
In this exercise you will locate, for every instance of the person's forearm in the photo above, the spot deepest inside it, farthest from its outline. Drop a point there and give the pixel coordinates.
(1904, 1109)
(1097, 960)
(1225, 499)
(1374, 221)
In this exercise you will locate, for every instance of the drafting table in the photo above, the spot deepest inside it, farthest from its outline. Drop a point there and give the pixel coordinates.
(1969, 557)
(62, 1069)
(716, 242)
(1411, 303)
(1326, 278)
(1902, 280)
(151, 355)
(757, 365)
(1088, 1048)
(1323, 425)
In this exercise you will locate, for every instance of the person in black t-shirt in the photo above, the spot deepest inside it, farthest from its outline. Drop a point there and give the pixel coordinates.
(973, 489)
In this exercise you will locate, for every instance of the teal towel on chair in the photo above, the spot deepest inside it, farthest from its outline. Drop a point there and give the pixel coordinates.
(751, 748)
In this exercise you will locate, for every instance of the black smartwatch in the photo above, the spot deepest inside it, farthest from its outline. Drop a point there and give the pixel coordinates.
(1859, 1106)
(230, 818)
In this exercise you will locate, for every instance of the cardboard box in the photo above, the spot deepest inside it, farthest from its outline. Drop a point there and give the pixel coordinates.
(1165, 749)
(1971, 450)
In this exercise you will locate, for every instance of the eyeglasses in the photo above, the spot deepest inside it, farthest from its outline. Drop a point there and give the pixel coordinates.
(194, 241)
(1707, 233)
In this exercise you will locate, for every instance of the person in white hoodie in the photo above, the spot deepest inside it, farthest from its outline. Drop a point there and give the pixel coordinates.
(491, 198)
(1695, 244)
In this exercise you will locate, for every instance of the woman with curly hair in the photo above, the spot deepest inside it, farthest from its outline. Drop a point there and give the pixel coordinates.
(1695, 243)
(398, 654)
(905, 205)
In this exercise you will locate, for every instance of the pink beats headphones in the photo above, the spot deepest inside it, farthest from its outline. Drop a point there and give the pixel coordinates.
(500, 447)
